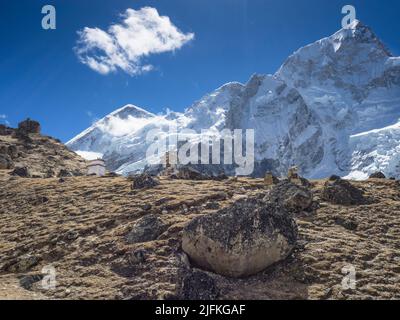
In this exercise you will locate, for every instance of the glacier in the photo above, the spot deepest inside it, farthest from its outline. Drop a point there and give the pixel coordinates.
(333, 107)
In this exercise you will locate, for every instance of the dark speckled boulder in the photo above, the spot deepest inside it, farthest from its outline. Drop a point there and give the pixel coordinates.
(240, 240)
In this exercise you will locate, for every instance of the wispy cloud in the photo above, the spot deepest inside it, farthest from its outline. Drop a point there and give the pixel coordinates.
(125, 45)
(3, 116)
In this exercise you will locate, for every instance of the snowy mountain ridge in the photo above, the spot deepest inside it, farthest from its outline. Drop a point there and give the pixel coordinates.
(332, 108)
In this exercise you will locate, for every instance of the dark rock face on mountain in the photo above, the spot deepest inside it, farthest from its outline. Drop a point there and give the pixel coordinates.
(42, 156)
(240, 240)
(338, 191)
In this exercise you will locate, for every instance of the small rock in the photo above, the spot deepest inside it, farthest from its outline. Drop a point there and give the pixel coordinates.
(146, 207)
(212, 206)
(27, 282)
(6, 162)
(3, 130)
(334, 178)
(342, 192)
(198, 285)
(22, 172)
(346, 223)
(270, 179)
(377, 175)
(146, 229)
(293, 173)
(64, 173)
(23, 264)
(292, 197)
(144, 181)
(189, 173)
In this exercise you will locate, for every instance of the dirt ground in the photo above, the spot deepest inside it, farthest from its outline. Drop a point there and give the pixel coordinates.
(78, 226)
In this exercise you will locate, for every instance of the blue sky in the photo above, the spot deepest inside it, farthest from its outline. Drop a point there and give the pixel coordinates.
(41, 76)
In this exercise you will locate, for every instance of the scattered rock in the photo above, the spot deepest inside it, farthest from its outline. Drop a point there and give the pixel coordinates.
(22, 172)
(377, 175)
(242, 239)
(293, 173)
(3, 130)
(27, 282)
(137, 256)
(29, 126)
(36, 201)
(270, 179)
(146, 229)
(198, 285)
(128, 265)
(144, 181)
(292, 197)
(64, 173)
(6, 162)
(346, 223)
(342, 192)
(22, 264)
(147, 207)
(212, 205)
(334, 178)
(189, 173)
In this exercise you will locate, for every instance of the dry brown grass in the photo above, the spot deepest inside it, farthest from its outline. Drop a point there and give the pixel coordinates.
(78, 226)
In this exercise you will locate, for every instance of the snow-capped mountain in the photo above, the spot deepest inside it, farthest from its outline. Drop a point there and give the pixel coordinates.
(332, 108)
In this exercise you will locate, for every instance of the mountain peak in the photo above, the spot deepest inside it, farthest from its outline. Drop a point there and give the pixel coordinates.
(361, 33)
(131, 110)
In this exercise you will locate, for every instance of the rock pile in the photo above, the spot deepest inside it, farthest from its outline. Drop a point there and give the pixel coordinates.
(29, 126)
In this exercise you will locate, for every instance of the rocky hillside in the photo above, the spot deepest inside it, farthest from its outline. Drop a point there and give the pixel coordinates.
(25, 152)
(111, 238)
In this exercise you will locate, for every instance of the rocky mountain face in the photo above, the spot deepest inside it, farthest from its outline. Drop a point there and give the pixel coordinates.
(26, 153)
(331, 108)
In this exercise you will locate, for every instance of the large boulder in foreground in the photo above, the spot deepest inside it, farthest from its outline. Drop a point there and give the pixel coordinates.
(240, 240)
(342, 192)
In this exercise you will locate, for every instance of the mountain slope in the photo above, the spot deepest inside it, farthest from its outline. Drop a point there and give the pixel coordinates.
(306, 114)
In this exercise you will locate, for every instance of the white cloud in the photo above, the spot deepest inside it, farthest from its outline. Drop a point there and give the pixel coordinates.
(3, 116)
(125, 45)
